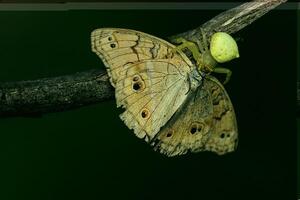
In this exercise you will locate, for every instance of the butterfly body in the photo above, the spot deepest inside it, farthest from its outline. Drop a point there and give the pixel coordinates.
(166, 98)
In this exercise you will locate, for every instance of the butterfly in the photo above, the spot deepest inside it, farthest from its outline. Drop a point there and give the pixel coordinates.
(172, 103)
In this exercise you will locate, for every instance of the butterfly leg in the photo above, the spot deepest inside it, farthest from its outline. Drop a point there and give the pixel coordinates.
(222, 70)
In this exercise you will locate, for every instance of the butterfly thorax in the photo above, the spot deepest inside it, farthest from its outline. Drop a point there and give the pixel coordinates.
(195, 78)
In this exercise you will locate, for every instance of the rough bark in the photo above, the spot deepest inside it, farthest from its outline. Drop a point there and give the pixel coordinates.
(54, 94)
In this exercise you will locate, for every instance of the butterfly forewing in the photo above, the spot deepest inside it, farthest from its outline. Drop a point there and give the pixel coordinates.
(150, 78)
(119, 47)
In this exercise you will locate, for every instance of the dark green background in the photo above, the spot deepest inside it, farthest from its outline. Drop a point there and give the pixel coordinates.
(89, 153)
(298, 107)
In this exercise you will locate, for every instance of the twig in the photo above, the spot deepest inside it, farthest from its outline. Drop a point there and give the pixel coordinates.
(80, 89)
(54, 94)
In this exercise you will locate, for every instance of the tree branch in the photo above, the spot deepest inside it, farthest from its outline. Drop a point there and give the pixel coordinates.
(54, 94)
(66, 92)
(231, 21)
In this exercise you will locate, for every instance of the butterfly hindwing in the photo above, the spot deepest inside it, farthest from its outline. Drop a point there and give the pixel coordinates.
(150, 79)
(206, 122)
(224, 137)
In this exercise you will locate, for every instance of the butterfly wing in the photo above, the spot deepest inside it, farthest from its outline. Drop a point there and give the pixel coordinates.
(150, 79)
(206, 122)
(122, 47)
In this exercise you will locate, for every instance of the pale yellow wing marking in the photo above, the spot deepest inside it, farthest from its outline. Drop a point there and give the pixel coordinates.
(206, 122)
(151, 80)
(119, 47)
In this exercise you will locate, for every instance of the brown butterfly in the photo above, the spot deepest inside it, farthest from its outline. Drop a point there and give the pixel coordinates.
(168, 101)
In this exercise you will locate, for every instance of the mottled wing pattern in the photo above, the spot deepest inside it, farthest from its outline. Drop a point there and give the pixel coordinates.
(150, 79)
(206, 122)
(119, 48)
